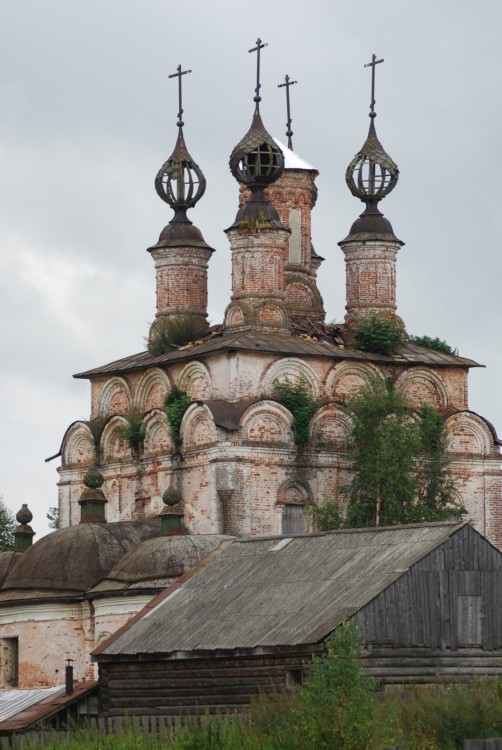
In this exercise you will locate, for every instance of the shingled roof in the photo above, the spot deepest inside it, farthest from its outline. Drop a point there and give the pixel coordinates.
(276, 591)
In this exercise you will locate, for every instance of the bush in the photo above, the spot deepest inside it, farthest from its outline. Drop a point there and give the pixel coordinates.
(441, 717)
(175, 404)
(430, 343)
(378, 334)
(170, 333)
(326, 517)
(300, 402)
(133, 432)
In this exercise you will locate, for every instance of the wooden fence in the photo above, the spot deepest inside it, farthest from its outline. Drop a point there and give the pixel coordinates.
(159, 725)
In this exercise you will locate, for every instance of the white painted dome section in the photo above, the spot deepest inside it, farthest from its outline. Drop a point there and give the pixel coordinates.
(292, 160)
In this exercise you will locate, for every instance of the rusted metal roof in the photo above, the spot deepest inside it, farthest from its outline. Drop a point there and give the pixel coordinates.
(21, 708)
(14, 701)
(277, 591)
(276, 342)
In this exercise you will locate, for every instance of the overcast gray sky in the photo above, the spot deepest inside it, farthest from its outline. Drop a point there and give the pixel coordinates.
(88, 115)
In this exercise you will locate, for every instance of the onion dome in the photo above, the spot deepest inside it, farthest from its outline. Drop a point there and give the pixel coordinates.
(371, 175)
(180, 182)
(257, 161)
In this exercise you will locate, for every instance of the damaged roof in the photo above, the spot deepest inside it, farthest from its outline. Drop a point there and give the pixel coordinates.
(276, 591)
(276, 342)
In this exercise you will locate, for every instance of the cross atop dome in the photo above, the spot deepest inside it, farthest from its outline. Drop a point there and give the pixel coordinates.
(372, 174)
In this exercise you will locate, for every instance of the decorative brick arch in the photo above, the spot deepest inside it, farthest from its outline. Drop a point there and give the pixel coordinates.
(267, 422)
(115, 398)
(158, 438)
(292, 369)
(346, 378)
(196, 381)
(151, 390)
(197, 427)
(468, 433)
(420, 385)
(78, 446)
(331, 425)
(293, 492)
(114, 447)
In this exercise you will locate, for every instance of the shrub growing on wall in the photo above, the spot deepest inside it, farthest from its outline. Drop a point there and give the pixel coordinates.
(300, 402)
(169, 333)
(176, 403)
(378, 334)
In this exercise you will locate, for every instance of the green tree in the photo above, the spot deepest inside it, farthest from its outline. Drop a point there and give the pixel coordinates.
(399, 459)
(337, 707)
(7, 526)
(53, 517)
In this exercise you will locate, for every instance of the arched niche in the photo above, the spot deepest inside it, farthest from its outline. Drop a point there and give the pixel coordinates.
(151, 390)
(294, 370)
(420, 385)
(158, 438)
(196, 381)
(299, 295)
(267, 422)
(78, 446)
(345, 379)
(330, 425)
(292, 500)
(197, 427)
(115, 398)
(113, 446)
(469, 433)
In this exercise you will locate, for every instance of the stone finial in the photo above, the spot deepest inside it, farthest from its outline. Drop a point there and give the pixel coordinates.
(23, 534)
(92, 500)
(172, 514)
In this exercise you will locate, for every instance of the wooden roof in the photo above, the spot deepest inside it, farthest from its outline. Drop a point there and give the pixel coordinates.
(276, 591)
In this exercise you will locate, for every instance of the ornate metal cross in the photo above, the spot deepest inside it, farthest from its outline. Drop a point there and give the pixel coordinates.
(259, 46)
(178, 75)
(287, 83)
(371, 65)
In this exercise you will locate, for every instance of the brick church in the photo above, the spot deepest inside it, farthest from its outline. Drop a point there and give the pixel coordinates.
(236, 469)
(232, 467)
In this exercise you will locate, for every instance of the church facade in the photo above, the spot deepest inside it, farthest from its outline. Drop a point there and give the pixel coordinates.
(235, 464)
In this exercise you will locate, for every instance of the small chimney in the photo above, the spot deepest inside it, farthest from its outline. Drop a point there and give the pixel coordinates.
(23, 534)
(69, 677)
(92, 500)
(172, 514)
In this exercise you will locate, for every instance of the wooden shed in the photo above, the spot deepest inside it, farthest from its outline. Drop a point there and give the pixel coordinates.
(427, 599)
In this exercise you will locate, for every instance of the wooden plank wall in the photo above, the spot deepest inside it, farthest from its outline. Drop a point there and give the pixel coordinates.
(450, 599)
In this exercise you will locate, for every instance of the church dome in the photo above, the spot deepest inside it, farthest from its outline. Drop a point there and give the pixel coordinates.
(157, 562)
(70, 561)
(7, 562)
